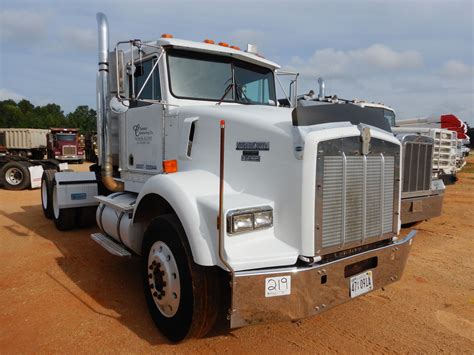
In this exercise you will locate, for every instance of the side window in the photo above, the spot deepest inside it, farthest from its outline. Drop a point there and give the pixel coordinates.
(152, 89)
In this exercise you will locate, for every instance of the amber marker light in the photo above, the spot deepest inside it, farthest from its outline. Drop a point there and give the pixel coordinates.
(223, 44)
(170, 166)
(166, 35)
(235, 47)
(209, 41)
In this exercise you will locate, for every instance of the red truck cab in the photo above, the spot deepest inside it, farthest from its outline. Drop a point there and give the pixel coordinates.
(63, 145)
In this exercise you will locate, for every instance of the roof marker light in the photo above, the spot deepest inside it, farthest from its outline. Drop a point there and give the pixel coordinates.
(166, 35)
(235, 47)
(209, 41)
(223, 44)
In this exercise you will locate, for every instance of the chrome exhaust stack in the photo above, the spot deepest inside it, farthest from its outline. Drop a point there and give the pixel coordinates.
(103, 119)
(322, 87)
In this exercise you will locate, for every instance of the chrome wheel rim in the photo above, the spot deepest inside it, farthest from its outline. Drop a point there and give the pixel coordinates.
(163, 279)
(14, 176)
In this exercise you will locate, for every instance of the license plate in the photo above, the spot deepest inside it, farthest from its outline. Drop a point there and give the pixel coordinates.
(361, 284)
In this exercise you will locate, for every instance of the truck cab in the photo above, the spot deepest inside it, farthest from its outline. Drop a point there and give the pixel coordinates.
(64, 145)
(217, 188)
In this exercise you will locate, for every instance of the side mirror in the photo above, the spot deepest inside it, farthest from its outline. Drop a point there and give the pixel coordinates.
(119, 106)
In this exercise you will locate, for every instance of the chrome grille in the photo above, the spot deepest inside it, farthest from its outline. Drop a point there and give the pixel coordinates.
(417, 165)
(69, 150)
(357, 194)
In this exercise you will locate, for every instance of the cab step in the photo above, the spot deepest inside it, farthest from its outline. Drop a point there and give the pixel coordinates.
(111, 246)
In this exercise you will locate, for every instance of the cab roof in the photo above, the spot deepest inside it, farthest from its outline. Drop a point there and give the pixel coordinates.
(215, 49)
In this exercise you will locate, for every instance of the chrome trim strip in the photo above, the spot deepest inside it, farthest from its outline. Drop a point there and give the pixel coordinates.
(344, 188)
(364, 197)
(382, 191)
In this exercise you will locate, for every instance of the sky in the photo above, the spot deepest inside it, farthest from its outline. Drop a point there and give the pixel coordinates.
(415, 56)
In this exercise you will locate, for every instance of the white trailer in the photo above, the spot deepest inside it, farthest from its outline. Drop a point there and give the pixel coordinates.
(232, 202)
(26, 142)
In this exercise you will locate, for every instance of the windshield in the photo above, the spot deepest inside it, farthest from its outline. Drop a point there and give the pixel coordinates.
(389, 116)
(207, 77)
(66, 137)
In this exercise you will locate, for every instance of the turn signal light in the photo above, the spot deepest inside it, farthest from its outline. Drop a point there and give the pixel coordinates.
(170, 166)
(235, 47)
(223, 44)
(209, 41)
(166, 35)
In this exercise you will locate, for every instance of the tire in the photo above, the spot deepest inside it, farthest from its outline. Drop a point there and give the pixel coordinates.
(15, 175)
(47, 193)
(64, 218)
(85, 216)
(182, 297)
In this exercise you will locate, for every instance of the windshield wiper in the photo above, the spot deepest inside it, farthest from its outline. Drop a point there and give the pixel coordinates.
(227, 89)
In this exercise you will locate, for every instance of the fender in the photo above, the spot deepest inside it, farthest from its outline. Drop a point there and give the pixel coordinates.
(193, 197)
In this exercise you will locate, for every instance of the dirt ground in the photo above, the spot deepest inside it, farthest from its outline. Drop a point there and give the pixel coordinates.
(61, 292)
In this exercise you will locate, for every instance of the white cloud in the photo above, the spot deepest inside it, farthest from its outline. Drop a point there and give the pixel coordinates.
(334, 63)
(456, 69)
(83, 39)
(23, 25)
(6, 94)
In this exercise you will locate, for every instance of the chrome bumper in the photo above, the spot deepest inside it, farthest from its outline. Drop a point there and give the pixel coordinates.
(69, 157)
(417, 209)
(313, 289)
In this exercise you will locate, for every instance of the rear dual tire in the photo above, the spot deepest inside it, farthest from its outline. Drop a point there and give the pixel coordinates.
(15, 175)
(64, 218)
(47, 193)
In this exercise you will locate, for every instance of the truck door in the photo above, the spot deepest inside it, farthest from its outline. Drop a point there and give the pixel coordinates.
(144, 122)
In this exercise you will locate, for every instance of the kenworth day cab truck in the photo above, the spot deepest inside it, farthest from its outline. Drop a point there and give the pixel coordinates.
(232, 202)
(422, 193)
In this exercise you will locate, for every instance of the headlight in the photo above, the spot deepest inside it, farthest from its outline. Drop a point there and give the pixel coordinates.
(246, 220)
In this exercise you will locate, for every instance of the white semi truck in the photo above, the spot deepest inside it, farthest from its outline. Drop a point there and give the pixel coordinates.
(232, 202)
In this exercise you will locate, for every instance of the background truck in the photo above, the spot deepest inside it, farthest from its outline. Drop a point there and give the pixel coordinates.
(236, 206)
(25, 142)
(64, 145)
(422, 190)
(17, 173)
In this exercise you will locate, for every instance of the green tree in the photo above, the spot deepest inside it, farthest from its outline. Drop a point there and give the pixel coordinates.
(83, 118)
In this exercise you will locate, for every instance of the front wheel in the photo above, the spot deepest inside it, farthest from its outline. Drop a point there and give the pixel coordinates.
(183, 298)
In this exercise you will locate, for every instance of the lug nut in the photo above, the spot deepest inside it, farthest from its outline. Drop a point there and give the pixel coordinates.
(155, 294)
(150, 276)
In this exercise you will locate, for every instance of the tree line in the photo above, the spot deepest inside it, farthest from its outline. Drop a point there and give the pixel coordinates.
(26, 115)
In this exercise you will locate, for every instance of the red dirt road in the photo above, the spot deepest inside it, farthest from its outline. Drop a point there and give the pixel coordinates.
(61, 292)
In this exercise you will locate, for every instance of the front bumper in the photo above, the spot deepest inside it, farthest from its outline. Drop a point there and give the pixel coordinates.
(417, 209)
(69, 157)
(313, 289)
